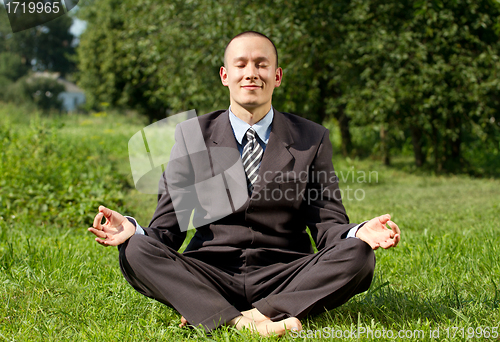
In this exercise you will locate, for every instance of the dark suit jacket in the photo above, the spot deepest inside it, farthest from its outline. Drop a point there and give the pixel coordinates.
(267, 228)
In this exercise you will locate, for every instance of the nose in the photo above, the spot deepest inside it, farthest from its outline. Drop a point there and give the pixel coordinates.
(251, 72)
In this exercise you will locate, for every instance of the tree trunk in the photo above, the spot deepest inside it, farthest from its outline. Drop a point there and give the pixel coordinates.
(416, 138)
(438, 163)
(455, 143)
(343, 121)
(384, 146)
(452, 162)
(157, 114)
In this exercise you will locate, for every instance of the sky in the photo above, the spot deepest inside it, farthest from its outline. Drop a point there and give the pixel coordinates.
(78, 27)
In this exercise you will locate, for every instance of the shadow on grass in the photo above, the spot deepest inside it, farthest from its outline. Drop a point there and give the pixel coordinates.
(387, 306)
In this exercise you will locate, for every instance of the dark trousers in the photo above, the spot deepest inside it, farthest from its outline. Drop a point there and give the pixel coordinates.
(211, 296)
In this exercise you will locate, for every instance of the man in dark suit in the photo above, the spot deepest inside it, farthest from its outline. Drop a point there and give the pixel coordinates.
(254, 267)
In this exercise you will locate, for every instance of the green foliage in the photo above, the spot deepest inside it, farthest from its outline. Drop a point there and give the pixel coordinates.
(41, 91)
(165, 57)
(135, 53)
(428, 72)
(420, 73)
(47, 46)
(11, 66)
(5, 84)
(54, 50)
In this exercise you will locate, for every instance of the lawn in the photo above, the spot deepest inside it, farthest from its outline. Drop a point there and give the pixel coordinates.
(56, 283)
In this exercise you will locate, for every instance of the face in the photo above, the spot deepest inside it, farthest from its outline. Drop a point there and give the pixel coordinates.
(250, 73)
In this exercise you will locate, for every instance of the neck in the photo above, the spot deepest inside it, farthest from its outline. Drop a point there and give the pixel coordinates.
(252, 115)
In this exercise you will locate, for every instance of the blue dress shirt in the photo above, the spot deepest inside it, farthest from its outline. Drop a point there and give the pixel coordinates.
(262, 128)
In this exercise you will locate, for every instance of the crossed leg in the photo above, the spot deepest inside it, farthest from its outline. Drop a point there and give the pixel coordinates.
(323, 280)
(314, 283)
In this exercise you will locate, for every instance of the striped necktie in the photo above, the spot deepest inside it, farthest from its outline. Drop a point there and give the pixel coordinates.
(251, 156)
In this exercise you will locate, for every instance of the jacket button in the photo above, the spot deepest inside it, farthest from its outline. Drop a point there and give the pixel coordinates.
(250, 210)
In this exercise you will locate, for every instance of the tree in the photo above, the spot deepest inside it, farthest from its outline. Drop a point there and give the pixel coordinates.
(160, 57)
(429, 70)
(45, 47)
(419, 71)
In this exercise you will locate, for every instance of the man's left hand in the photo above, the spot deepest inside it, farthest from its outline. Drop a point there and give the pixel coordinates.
(376, 234)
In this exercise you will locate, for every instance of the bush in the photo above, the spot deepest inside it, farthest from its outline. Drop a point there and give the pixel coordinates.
(11, 66)
(5, 84)
(41, 91)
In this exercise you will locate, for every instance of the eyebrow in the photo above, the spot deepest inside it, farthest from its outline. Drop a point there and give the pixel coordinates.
(244, 59)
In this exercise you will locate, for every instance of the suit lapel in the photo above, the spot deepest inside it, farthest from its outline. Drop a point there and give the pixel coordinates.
(222, 133)
(226, 159)
(223, 147)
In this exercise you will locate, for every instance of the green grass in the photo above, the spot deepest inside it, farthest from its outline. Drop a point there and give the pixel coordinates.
(57, 284)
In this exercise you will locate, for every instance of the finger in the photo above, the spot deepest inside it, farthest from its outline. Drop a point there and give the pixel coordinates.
(101, 242)
(394, 228)
(374, 245)
(97, 232)
(397, 238)
(391, 233)
(384, 218)
(97, 221)
(387, 244)
(107, 212)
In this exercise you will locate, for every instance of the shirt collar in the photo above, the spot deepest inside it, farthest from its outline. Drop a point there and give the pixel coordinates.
(262, 128)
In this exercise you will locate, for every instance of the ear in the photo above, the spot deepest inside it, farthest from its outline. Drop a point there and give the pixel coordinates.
(223, 76)
(278, 77)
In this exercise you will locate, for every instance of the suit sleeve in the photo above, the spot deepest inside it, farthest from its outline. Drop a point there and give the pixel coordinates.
(176, 199)
(324, 212)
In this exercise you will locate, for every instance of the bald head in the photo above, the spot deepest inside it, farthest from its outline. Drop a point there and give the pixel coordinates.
(251, 34)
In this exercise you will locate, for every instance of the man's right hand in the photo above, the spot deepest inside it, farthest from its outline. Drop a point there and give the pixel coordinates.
(115, 231)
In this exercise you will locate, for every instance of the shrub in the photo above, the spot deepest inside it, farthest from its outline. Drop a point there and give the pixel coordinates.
(11, 66)
(41, 91)
(5, 84)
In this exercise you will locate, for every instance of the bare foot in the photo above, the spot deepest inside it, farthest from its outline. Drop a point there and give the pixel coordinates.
(252, 314)
(267, 327)
(255, 315)
(184, 322)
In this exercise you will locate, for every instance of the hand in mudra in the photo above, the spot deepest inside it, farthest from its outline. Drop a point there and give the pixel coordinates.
(116, 230)
(376, 234)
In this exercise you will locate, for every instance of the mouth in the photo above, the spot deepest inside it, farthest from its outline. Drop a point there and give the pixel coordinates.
(251, 87)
